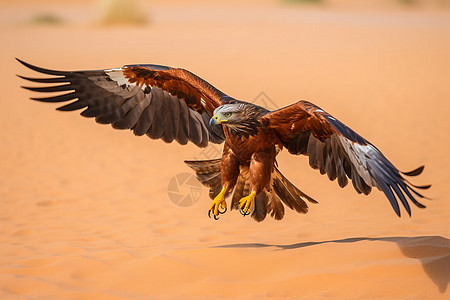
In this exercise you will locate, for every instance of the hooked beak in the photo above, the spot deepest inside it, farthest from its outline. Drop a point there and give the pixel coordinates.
(214, 120)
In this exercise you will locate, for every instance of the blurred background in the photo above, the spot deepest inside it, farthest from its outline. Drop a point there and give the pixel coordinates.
(82, 204)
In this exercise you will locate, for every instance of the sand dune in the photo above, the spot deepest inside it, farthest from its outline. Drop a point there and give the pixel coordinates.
(85, 211)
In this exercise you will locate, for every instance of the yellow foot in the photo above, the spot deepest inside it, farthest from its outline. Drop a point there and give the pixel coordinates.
(218, 205)
(246, 204)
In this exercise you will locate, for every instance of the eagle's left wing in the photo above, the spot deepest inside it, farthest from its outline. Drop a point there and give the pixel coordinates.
(161, 102)
(341, 153)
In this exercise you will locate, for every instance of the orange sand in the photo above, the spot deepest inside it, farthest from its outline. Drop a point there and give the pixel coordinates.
(84, 209)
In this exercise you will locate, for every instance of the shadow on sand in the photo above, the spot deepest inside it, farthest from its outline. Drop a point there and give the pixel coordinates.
(432, 251)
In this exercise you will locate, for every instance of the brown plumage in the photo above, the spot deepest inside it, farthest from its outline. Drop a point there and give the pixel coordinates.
(174, 104)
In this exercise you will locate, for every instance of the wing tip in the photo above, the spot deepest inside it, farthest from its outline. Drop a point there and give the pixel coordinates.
(25, 63)
(41, 70)
(19, 60)
(397, 211)
(414, 172)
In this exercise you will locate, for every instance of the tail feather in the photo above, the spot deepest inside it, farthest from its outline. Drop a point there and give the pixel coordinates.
(242, 187)
(275, 207)
(293, 189)
(205, 166)
(208, 173)
(269, 201)
(260, 206)
(210, 180)
(238, 192)
(290, 194)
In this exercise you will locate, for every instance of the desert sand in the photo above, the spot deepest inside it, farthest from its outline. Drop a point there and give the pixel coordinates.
(85, 211)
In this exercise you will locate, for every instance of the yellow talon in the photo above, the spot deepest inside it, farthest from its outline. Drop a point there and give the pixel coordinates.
(219, 200)
(246, 203)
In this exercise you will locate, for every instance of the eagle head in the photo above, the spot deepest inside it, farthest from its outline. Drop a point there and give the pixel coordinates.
(228, 114)
(239, 117)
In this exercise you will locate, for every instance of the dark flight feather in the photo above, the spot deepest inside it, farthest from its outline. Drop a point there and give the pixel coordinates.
(415, 172)
(159, 101)
(341, 153)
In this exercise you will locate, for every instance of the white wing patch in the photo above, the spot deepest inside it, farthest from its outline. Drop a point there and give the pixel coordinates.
(360, 156)
(117, 75)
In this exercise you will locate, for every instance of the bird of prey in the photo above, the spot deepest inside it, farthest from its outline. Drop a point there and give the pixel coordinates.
(174, 104)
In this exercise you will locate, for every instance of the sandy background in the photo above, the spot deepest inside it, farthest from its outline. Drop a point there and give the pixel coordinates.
(84, 209)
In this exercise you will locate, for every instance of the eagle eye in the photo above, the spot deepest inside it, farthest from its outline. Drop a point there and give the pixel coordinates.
(227, 114)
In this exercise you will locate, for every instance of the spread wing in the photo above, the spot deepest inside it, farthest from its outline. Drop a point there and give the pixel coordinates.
(341, 153)
(161, 102)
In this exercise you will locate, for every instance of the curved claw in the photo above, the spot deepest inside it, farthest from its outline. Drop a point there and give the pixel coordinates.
(246, 204)
(215, 217)
(218, 203)
(243, 213)
(222, 209)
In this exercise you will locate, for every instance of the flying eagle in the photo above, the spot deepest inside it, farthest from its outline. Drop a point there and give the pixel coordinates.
(174, 104)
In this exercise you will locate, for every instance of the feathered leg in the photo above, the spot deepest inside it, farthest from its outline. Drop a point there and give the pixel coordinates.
(229, 169)
(260, 170)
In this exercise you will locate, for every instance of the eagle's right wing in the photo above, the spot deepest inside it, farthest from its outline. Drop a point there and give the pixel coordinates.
(341, 153)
